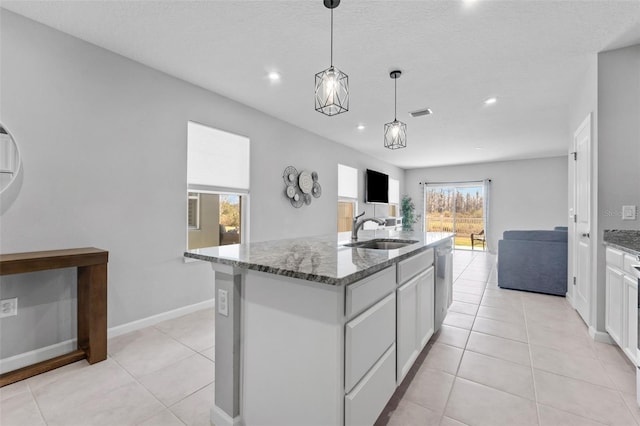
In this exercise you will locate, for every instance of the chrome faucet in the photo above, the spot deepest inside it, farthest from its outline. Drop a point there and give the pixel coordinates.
(357, 224)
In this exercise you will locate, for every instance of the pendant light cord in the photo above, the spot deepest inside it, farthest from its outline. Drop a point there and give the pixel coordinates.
(332, 37)
(395, 99)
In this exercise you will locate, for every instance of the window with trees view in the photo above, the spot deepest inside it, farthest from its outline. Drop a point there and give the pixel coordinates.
(458, 209)
(218, 186)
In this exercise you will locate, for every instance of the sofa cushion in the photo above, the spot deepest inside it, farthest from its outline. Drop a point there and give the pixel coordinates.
(560, 236)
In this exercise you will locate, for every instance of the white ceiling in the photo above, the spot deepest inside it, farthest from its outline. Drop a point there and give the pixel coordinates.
(453, 55)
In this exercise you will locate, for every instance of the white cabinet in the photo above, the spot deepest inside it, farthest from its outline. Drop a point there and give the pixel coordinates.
(415, 319)
(630, 342)
(367, 337)
(363, 405)
(407, 326)
(615, 304)
(426, 307)
(621, 314)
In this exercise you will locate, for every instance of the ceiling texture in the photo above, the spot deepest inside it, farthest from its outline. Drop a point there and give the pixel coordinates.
(453, 55)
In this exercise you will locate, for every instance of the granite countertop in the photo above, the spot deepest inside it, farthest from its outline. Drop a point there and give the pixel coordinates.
(323, 259)
(626, 240)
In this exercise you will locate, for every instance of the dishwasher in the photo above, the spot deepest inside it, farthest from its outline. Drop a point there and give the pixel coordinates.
(443, 282)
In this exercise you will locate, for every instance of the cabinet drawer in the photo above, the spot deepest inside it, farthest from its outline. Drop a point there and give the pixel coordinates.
(363, 406)
(367, 337)
(364, 293)
(411, 267)
(614, 257)
(629, 261)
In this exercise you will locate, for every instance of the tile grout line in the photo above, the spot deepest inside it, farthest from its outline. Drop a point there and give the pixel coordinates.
(33, 395)
(533, 377)
(464, 350)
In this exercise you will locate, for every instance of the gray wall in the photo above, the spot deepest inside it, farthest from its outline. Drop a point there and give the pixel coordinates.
(103, 141)
(618, 149)
(610, 90)
(525, 194)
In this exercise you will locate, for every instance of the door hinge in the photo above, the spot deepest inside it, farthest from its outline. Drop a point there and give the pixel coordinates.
(574, 280)
(575, 155)
(575, 218)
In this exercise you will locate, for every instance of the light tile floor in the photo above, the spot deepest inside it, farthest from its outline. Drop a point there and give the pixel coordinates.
(511, 358)
(158, 376)
(502, 358)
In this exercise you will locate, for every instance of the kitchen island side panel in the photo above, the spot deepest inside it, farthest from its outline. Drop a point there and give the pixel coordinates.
(293, 352)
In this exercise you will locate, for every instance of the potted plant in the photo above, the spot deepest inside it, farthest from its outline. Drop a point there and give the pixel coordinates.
(407, 208)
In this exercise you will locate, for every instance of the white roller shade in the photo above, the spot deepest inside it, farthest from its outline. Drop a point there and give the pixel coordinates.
(394, 191)
(217, 158)
(347, 181)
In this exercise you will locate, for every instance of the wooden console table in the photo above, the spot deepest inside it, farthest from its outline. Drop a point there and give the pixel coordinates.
(92, 303)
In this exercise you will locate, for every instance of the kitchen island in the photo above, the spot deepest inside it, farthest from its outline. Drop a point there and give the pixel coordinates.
(311, 331)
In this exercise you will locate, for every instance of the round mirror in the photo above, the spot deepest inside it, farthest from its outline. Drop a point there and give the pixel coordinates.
(9, 159)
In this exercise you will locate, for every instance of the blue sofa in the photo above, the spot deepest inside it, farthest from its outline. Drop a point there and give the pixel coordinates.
(534, 261)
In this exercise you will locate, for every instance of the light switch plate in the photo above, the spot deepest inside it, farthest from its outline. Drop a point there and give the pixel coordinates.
(628, 212)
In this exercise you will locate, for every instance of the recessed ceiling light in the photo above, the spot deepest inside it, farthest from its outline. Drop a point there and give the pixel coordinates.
(274, 76)
(469, 2)
(479, 148)
(491, 101)
(360, 126)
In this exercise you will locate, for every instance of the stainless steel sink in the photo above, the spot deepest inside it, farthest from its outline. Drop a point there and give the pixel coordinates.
(382, 244)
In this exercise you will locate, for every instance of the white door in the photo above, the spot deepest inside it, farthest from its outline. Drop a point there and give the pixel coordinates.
(582, 221)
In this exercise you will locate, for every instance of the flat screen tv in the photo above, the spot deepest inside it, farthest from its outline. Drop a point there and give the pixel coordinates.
(377, 187)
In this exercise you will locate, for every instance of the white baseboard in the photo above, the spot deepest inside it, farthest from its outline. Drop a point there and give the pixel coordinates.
(37, 355)
(156, 319)
(569, 297)
(220, 418)
(61, 348)
(600, 336)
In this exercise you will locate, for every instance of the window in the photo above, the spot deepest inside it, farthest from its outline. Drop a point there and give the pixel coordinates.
(458, 207)
(194, 210)
(218, 187)
(347, 196)
(394, 197)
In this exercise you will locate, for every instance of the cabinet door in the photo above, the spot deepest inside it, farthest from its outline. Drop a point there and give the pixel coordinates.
(631, 317)
(614, 304)
(425, 306)
(407, 332)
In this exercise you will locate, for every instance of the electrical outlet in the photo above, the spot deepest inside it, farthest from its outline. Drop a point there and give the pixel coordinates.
(628, 212)
(8, 307)
(223, 302)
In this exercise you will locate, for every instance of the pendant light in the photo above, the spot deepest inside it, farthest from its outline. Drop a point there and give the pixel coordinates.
(395, 133)
(332, 85)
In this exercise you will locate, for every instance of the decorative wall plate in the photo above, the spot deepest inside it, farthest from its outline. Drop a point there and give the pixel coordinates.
(305, 182)
(290, 175)
(298, 199)
(301, 187)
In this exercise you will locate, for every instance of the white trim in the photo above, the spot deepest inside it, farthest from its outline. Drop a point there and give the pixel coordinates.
(61, 348)
(218, 417)
(156, 319)
(569, 297)
(600, 336)
(37, 355)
